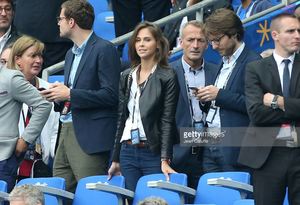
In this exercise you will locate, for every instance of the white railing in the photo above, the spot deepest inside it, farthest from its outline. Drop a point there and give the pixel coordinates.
(197, 8)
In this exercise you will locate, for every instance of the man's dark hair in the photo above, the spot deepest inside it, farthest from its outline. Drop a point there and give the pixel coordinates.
(12, 3)
(224, 21)
(81, 11)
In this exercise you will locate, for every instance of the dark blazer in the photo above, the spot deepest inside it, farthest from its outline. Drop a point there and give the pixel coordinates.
(263, 77)
(14, 35)
(157, 107)
(37, 18)
(231, 100)
(94, 97)
(183, 115)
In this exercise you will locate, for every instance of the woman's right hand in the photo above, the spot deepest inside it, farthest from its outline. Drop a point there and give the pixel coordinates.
(114, 170)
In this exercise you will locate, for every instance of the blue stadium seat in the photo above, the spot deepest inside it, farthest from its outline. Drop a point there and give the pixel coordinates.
(175, 56)
(235, 4)
(218, 188)
(56, 78)
(207, 193)
(3, 190)
(3, 186)
(112, 192)
(85, 196)
(244, 202)
(125, 55)
(142, 190)
(99, 6)
(103, 27)
(89, 190)
(54, 182)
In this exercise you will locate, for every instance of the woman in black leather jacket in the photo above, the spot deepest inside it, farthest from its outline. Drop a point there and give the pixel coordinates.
(148, 99)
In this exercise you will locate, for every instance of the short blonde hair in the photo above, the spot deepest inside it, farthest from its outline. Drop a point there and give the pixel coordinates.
(27, 193)
(19, 48)
(153, 201)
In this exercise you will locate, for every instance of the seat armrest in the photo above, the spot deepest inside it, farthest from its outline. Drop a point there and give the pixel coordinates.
(109, 19)
(59, 193)
(172, 187)
(3, 196)
(243, 188)
(110, 188)
(56, 192)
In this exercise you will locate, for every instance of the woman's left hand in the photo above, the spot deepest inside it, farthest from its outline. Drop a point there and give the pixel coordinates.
(166, 169)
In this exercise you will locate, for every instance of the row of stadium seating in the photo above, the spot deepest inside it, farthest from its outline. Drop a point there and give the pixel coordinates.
(219, 188)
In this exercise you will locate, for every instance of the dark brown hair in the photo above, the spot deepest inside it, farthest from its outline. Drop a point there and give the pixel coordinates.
(81, 11)
(224, 21)
(162, 53)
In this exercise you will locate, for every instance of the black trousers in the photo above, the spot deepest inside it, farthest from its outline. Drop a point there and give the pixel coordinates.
(281, 171)
(128, 13)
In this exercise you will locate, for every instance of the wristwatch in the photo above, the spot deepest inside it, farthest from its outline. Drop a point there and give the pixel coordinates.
(274, 103)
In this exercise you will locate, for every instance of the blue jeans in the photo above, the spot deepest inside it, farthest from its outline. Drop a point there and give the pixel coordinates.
(8, 170)
(136, 162)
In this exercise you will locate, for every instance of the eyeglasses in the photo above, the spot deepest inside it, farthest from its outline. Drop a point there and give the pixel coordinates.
(216, 40)
(7, 9)
(59, 18)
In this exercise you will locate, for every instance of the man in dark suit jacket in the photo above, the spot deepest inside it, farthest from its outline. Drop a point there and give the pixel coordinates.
(128, 13)
(228, 109)
(90, 97)
(192, 71)
(271, 145)
(8, 32)
(37, 18)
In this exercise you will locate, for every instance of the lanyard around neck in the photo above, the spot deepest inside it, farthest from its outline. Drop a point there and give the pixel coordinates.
(227, 78)
(138, 93)
(189, 97)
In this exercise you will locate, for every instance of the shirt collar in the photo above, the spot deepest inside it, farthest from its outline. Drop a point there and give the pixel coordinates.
(187, 67)
(279, 59)
(232, 59)
(78, 50)
(6, 35)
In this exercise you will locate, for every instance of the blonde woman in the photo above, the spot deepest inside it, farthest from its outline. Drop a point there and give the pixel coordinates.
(26, 56)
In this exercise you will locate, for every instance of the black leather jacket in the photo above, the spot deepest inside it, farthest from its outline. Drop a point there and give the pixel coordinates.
(157, 106)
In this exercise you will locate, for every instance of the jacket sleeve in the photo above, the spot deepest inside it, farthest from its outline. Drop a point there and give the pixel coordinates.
(26, 93)
(233, 99)
(168, 127)
(259, 114)
(121, 116)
